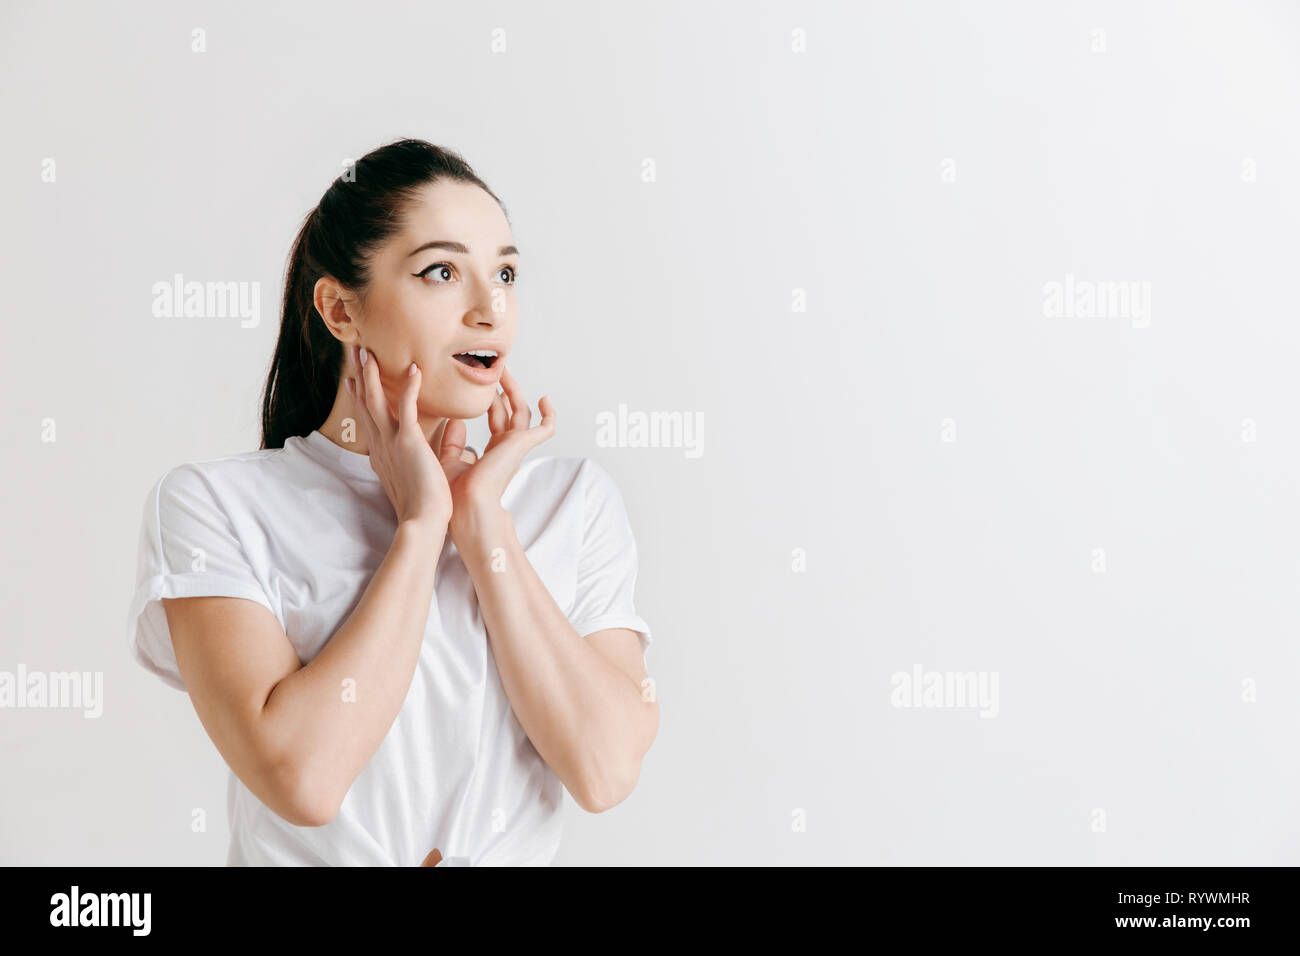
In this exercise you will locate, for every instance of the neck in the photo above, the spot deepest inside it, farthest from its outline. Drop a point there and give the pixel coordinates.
(352, 436)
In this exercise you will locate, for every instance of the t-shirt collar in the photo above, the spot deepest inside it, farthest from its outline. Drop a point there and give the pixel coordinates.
(338, 457)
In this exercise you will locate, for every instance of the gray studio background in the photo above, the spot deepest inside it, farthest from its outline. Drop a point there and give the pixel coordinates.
(841, 264)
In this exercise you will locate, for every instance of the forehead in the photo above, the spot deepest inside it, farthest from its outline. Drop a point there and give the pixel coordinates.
(456, 212)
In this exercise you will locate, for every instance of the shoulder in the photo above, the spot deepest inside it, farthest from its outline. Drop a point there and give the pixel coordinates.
(577, 493)
(215, 481)
(547, 477)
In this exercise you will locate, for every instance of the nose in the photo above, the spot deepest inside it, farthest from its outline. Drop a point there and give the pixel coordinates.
(477, 318)
(481, 314)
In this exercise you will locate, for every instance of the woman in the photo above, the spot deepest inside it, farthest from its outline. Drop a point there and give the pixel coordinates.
(400, 648)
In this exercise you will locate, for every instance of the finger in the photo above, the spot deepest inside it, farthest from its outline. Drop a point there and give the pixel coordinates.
(453, 441)
(469, 455)
(498, 416)
(358, 383)
(408, 412)
(375, 399)
(522, 414)
(546, 427)
(435, 440)
(549, 416)
(505, 404)
(530, 438)
(433, 859)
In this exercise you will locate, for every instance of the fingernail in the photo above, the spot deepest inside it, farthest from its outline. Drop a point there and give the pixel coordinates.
(364, 356)
(412, 369)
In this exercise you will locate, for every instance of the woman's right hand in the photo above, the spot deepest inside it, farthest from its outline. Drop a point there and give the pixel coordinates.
(400, 455)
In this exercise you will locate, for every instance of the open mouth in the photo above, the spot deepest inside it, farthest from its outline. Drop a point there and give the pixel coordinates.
(477, 358)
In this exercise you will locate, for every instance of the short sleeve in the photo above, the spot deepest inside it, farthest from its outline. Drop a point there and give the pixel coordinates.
(607, 560)
(187, 548)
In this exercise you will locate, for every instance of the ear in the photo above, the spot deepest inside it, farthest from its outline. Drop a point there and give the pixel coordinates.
(332, 301)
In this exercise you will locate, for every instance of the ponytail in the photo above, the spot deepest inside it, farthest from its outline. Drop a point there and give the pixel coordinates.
(352, 219)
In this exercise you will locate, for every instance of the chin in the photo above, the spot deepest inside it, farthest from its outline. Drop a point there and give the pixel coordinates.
(466, 403)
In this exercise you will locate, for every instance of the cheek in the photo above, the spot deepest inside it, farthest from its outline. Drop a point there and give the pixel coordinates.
(410, 335)
(508, 305)
(429, 323)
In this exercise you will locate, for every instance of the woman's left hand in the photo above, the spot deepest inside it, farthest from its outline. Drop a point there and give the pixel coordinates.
(476, 487)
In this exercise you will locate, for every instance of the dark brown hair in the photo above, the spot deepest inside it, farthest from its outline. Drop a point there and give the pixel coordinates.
(357, 215)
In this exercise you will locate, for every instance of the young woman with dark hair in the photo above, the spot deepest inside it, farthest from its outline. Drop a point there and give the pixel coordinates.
(402, 649)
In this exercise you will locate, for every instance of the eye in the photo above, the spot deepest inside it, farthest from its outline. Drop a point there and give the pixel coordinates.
(509, 271)
(442, 271)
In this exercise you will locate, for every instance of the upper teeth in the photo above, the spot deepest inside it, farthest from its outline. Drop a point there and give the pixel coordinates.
(482, 353)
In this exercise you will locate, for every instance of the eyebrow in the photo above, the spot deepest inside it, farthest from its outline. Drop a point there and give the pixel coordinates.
(460, 247)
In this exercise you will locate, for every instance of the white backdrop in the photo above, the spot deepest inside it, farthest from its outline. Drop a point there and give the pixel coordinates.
(987, 311)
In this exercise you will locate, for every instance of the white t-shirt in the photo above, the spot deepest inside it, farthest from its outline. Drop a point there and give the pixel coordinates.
(301, 530)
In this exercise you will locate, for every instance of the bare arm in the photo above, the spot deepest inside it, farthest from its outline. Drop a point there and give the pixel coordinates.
(580, 700)
(288, 731)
